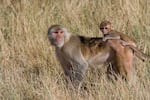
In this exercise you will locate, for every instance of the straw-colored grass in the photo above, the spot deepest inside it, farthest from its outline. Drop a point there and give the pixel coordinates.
(28, 67)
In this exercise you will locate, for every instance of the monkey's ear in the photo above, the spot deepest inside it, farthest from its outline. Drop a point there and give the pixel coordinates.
(49, 32)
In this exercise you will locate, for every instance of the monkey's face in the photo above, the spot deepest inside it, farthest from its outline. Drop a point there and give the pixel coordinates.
(57, 38)
(105, 29)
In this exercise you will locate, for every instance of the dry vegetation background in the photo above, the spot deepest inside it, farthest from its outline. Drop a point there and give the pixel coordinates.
(28, 67)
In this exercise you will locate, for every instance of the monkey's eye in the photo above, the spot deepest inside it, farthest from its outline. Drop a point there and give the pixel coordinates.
(103, 28)
(61, 31)
(56, 32)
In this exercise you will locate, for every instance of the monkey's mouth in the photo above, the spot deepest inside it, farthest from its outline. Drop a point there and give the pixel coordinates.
(59, 40)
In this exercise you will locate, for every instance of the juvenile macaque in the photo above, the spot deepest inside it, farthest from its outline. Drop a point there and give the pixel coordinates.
(109, 34)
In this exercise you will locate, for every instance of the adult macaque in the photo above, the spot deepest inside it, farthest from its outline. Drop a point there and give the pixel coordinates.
(75, 53)
(109, 34)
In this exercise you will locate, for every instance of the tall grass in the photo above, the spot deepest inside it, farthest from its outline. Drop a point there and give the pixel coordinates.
(28, 67)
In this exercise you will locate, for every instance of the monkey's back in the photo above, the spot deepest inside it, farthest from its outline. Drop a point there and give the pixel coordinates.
(93, 46)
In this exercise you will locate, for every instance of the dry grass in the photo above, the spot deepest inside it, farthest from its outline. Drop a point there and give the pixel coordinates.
(28, 67)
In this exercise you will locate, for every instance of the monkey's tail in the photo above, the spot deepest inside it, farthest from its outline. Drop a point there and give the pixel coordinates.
(140, 54)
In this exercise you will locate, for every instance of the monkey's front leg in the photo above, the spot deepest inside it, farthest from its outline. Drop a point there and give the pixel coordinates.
(107, 37)
(75, 75)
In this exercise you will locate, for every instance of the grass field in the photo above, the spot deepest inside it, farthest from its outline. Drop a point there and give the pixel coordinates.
(28, 67)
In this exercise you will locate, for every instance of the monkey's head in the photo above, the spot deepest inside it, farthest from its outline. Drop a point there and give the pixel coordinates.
(105, 27)
(57, 35)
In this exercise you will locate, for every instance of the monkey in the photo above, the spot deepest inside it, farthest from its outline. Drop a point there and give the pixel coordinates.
(76, 53)
(109, 33)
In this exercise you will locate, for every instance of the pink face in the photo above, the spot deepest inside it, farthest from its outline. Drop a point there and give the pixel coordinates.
(105, 29)
(59, 37)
